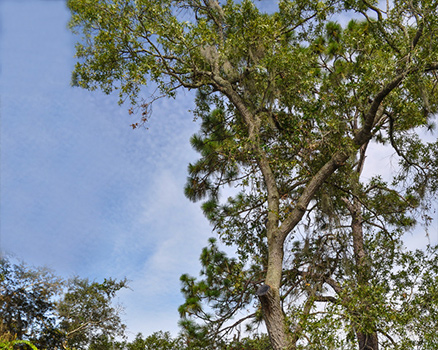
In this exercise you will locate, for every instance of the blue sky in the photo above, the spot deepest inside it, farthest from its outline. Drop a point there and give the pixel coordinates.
(83, 193)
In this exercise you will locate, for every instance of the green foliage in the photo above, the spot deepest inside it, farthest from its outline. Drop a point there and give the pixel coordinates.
(36, 310)
(164, 341)
(27, 310)
(255, 342)
(105, 342)
(87, 315)
(158, 340)
(289, 104)
(11, 345)
(227, 287)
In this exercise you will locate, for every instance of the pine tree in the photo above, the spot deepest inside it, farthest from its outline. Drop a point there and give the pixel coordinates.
(290, 102)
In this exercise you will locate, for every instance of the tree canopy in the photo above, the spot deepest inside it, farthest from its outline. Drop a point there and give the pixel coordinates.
(87, 314)
(27, 310)
(289, 103)
(39, 309)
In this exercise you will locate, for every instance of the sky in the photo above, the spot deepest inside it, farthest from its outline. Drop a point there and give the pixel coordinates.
(83, 193)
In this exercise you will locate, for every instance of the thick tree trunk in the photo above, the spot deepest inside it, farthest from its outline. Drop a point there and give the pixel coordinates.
(274, 320)
(273, 314)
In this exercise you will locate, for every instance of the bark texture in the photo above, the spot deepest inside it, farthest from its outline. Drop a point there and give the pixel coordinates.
(367, 341)
(274, 319)
(271, 304)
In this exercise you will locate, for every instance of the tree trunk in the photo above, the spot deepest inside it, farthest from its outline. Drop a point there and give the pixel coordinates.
(274, 320)
(271, 304)
(367, 341)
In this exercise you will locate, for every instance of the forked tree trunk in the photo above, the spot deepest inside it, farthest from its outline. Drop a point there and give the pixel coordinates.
(367, 341)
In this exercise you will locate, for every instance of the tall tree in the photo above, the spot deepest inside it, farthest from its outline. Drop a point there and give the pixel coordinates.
(297, 101)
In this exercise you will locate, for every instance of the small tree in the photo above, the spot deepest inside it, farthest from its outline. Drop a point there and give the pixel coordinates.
(27, 309)
(36, 310)
(87, 315)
